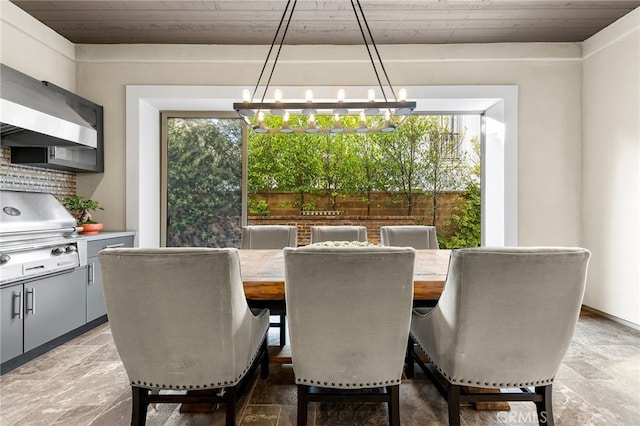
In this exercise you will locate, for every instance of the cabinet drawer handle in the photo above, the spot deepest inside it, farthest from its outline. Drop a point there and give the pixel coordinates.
(13, 308)
(92, 272)
(32, 309)
(114, 245)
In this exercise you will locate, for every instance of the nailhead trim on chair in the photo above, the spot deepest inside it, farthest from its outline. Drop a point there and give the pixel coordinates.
(488, 384)
(304, 381)
(205, 386)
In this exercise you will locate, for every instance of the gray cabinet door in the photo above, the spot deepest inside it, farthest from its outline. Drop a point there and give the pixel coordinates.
(11, 304)
(54, 306)
(95, 297)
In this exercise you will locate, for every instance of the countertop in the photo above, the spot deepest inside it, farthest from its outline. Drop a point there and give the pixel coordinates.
(107, 234)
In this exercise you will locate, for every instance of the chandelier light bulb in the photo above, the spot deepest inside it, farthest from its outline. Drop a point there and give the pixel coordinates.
(337, 127)
(246, 95)
(362, 128)
(285, 117)
(341, 95)
(388, 126)
(402, 95)
(261, 116)
(311, 127)
(277, 96)
(308, 95)
(371, 94)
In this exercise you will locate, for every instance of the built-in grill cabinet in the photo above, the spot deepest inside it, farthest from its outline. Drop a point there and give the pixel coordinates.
(50, 291)
(38, 311)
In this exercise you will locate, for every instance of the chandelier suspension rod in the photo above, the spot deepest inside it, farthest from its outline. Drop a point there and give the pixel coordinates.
(375, 47)
(395, 112)
(273, 42)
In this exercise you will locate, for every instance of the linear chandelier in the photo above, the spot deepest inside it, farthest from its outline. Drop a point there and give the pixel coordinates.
(389, 113)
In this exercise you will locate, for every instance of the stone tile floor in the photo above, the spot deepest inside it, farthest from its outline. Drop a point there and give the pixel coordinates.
(83, 383)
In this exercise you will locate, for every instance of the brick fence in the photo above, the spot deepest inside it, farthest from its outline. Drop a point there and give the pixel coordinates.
(304, 223)
(382, 204)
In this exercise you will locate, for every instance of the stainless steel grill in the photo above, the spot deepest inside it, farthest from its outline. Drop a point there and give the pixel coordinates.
(37, 237)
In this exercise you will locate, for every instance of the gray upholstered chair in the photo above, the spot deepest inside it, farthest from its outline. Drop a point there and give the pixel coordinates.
(258, 237)
(180, 322)
(349, 311)
(505, 320)
(262, 237)
(417, 236)
(338, 233)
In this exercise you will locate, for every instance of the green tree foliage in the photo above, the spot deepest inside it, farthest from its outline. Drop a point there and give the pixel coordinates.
(422, 158)
(465, 219)
(445, 166)
(204, 182)
(404, 152)
(285, 162)
(367, 173)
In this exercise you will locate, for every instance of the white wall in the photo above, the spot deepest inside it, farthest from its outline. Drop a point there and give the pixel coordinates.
(548, 77)
(611, 175)
(34, 49)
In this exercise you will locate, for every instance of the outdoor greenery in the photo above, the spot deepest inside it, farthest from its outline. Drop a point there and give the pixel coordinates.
(420, 160)
(204, 182)
(465, 219)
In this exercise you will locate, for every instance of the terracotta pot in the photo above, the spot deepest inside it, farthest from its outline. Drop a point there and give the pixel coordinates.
(91, 228)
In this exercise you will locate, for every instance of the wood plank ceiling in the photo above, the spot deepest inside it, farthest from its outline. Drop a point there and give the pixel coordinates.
(328, 21)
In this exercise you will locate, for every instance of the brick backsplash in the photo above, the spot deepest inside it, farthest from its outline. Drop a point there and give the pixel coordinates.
(17, 177)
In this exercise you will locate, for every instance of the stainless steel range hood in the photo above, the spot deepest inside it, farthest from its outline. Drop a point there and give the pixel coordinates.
(33, 115)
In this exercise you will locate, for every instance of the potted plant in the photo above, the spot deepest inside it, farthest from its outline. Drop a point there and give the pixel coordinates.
(81, 209)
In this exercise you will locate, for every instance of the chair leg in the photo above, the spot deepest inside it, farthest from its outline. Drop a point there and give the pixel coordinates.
(302, 405)
(230, 402)
(283, 330)
(264, 364)
(545, 407)
(394, 405)
(453, 401)
(140, 403)
(408, 360)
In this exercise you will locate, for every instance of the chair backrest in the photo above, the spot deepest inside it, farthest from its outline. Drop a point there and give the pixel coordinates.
(509, 314)
(179, 316)
(268, 237)
(349, 312)
(338, 233)
(417, 236)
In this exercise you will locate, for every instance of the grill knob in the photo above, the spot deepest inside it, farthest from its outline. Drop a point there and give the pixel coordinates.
(71, 249)
(57, 251)
(4, 258)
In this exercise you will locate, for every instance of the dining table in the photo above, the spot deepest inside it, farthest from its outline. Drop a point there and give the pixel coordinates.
(263, 280)
(263, 274)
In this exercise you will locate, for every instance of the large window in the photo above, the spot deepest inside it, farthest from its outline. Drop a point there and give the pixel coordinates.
(202, 201)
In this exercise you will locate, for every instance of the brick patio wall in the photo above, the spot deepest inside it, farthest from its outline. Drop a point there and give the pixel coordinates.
(386, 209)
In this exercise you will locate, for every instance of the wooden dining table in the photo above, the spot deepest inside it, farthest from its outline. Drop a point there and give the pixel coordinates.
(263, 274)
(263, 280)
